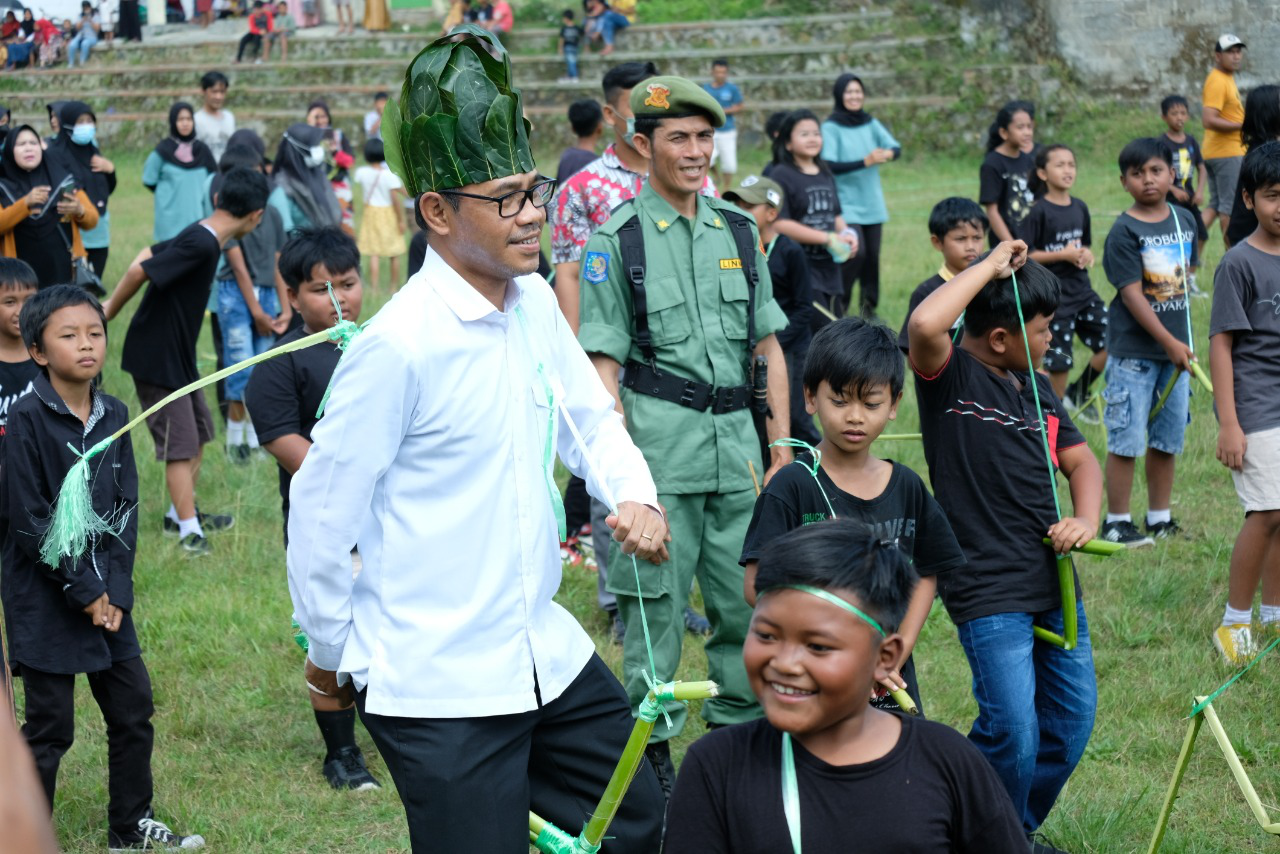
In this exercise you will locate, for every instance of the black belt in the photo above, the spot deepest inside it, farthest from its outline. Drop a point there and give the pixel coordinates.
(644, 379)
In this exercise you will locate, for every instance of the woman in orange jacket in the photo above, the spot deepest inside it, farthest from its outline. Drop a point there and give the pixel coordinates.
(42, 209)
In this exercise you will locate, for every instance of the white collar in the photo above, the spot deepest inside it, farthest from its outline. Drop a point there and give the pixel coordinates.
(460, 295)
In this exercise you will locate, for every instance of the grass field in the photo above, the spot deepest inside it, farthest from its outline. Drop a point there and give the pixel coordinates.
(237, 752)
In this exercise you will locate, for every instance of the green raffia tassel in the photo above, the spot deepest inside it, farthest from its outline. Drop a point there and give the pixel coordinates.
(74, 520)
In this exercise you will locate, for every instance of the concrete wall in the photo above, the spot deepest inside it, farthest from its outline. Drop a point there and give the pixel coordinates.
(1148, 48)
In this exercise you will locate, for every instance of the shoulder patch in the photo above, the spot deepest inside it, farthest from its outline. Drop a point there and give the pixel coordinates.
(595, 267)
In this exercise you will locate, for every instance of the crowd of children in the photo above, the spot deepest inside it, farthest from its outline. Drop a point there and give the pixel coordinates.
(990, 341)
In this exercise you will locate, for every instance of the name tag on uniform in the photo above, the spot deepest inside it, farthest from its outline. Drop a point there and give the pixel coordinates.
(730, 263)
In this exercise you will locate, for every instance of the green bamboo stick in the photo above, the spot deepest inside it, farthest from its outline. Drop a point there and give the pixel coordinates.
(1164, 396)
(1100, 548)
(1067, 582)
(1184, 759)
(903, 437)
(1237, 769)
(1199, 374)
(74, 519)
(904, 701)
(633, 754)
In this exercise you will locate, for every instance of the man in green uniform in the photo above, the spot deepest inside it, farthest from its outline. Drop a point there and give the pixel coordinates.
(676, 290)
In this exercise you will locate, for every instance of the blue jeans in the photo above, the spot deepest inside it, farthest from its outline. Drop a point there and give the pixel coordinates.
(83, 42)
(571, 61)
(240, 340)
(608, 24)
(1036, 704)
(1133, 388)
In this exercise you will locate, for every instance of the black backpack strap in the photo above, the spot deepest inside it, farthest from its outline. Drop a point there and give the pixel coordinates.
(740, 226)
(631, 248)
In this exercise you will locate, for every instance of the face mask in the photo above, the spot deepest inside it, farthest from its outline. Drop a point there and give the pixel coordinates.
(631, 128)
(84, 134)
(314, 156)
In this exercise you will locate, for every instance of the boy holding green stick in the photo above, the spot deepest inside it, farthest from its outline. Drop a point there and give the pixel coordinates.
(1149, 250)
(830, 601)
(853, 383)
(982, 409)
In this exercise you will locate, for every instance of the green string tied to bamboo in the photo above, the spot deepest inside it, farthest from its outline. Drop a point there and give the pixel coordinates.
(74, 522)
(341, 333)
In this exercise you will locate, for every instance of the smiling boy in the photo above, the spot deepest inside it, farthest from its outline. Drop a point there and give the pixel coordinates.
(853, 382)
(824, 632)
(957, 229)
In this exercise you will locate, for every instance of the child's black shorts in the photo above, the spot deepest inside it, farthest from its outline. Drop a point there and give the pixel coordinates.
(1089, 323)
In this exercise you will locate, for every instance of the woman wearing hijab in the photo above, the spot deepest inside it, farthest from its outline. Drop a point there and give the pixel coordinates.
(35, 198)
(76, 147)
(303, 194)
(53, 108)
(4, 124)
(178, 172)
(341, 156)
(854, 145)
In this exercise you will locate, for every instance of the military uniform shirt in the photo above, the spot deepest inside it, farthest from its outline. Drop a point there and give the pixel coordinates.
(697, 303)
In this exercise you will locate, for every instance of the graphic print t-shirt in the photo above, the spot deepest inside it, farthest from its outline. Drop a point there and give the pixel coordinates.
(1052, 228)
(1149, 255)
(812, 201)
(1005, 182)
(1186, 162)
(15, 383)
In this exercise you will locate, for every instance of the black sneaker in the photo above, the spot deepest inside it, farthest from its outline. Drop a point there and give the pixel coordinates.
(195, 545)
(211, 523)
(696, 623)
(153, 835)
(1126, 534)
(347, 771)
(1040, 844)
(238, 454)
(1164, 530)
(660, 757)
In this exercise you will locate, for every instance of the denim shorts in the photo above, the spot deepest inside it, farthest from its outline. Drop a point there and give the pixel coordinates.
(1133, 389)
(240, 340)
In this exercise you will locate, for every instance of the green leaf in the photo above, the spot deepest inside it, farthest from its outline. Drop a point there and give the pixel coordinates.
(472, 87)
(435, 134)
(469, 140)
(523, 128)
(391, 124)
(500, 137)
(421, 93)
(417, 154)
(463, 66)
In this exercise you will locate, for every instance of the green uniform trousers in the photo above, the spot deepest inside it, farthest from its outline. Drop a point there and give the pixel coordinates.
(707, 532)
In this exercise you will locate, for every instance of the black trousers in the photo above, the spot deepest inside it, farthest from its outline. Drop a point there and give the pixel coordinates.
(123, 693)
(864, 266)
(129, 27)
(469, 783)
(247, 40)
(98, 259)
(577, 506)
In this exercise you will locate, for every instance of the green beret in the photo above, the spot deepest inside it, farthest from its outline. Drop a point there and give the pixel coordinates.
(674, 97)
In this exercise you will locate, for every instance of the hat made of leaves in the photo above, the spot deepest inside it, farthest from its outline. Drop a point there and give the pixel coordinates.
(458, 120)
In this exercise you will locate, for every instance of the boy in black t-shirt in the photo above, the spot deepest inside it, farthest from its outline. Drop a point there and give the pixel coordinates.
(985, 448)
(1148, 251)
(17, 370)
(824, 632)
(789, 269)
(957, 229)
(160, 346)
(569, 43)
(1058, 235)
(853, 383)
(1190, 174)
(78, 616)
(284, 396)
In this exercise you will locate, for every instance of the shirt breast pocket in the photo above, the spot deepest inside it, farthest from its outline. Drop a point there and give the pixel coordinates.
(668, 315)
(733, 304)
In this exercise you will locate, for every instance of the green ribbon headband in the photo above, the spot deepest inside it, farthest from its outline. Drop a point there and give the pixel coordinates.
(834, 600)
(458, 120)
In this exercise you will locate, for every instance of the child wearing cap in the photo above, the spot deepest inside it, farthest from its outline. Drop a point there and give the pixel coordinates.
(763, 198)
(1222, 113)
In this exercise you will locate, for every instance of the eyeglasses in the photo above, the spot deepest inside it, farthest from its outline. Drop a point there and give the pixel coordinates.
(510, 204)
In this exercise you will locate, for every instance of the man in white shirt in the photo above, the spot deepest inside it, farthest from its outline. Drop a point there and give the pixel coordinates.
(373, 118)
(215, 123)
(485, 698)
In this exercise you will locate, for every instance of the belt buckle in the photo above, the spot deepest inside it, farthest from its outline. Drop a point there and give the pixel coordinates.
(689, 397)
(726, 399)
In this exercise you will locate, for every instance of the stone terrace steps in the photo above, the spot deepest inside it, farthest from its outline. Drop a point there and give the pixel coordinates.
(218, 44)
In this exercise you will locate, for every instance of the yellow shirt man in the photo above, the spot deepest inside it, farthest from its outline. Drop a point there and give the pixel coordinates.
(1221, 93)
